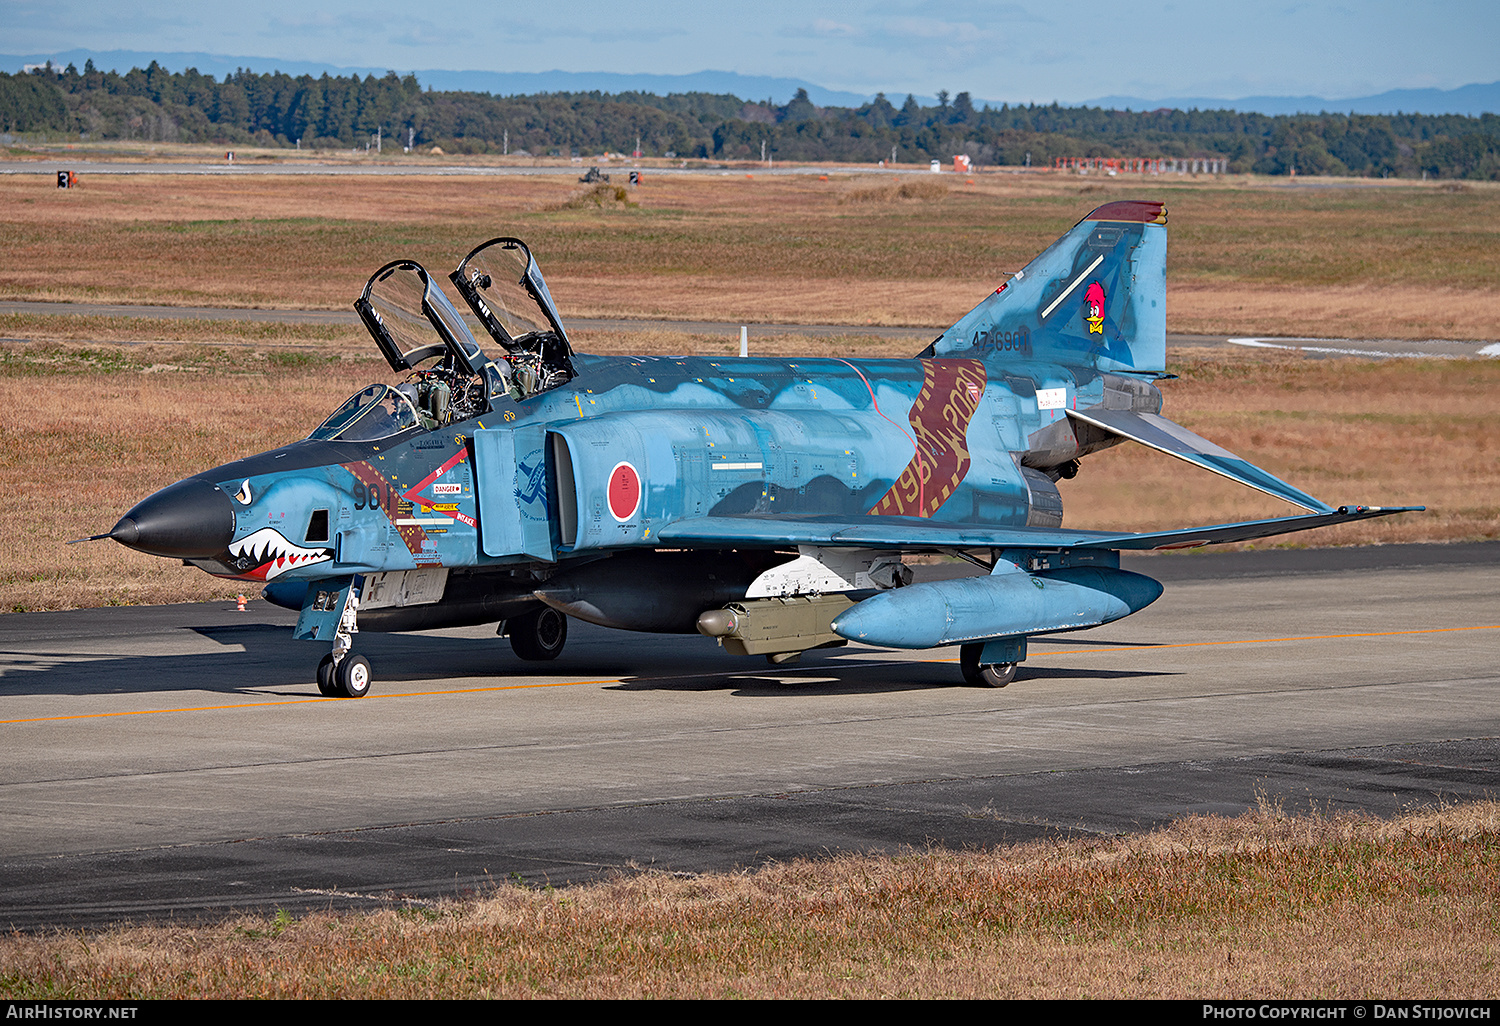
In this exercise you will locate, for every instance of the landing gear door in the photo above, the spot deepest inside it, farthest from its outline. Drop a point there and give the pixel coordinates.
(412, 322)
(504, 287)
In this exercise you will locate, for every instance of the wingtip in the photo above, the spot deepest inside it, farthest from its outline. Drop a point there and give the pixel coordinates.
(1359, 510)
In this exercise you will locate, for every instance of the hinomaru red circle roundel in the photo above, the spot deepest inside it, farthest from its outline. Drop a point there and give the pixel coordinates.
(624, 492)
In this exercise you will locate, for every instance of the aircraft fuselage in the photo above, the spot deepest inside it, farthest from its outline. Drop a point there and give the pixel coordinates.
(667, 437)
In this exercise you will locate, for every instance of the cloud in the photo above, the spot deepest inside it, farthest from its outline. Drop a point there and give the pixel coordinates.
(953, 33)
(835, 29)
(422, 34)
(938, 43)
(978, 11)
(317, 24)
(516, 31)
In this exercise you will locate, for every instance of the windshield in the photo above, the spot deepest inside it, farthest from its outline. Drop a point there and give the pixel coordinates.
(377, 412)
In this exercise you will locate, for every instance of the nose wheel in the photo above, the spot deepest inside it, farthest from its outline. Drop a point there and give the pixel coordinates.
(347, 678)
(353, 676)
(331, 607)
(326, 684)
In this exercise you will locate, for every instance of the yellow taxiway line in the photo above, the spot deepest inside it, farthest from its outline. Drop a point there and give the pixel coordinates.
(1103, 649)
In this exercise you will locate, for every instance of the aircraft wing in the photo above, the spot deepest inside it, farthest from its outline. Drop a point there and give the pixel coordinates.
(1163, 435)
(879, 532)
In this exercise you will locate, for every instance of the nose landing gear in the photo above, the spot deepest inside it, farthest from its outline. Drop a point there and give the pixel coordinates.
(347, 679)
(335, 606)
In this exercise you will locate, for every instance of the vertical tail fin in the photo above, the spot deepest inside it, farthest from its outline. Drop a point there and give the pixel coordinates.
(1097, 297)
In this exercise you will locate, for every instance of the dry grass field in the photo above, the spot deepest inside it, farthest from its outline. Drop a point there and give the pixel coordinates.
(1250, 256)
(1261, 907)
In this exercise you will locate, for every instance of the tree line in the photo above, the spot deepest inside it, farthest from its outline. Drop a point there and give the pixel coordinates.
(338, 112)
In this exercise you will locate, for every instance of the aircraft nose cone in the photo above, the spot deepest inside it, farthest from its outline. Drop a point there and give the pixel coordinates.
(191, 519)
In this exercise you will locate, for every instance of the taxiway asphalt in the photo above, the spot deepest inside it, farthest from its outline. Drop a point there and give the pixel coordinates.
(178, 760)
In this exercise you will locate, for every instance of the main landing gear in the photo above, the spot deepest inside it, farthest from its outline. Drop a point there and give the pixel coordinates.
(347, 679)
(984, 675)
(538, 635)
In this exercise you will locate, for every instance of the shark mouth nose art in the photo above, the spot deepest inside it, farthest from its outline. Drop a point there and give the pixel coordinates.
(268, 554)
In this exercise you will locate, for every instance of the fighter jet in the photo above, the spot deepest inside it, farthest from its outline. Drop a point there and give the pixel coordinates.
(769, 504)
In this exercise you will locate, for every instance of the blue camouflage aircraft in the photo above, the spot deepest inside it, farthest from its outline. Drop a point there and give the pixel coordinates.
(765, 503)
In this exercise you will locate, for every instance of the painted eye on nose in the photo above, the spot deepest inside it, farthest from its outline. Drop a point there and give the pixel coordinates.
(243, 495)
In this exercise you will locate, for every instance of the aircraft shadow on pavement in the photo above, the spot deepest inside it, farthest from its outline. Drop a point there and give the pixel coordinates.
(1080, 673)
(853, 676)
(256, 659)
(1045, 644)
(758, 679)
(260, 659)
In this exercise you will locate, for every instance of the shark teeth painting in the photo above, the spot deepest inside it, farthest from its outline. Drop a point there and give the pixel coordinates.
(273, 555)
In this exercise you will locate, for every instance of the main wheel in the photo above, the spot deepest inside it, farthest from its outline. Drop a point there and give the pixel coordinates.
(997, 675)
(988, 675)
(326, 684)
(353, 676)
(539, 635)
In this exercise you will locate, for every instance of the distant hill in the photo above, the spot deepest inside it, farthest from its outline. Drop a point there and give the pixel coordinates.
(323, 112)
(499, 83)
(1470, 100)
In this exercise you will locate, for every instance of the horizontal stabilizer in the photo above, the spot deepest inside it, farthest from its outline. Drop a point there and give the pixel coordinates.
(1163, 435)
(922, 533)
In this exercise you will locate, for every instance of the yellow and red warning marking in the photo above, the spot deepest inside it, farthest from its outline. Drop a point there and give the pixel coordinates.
(411, 493)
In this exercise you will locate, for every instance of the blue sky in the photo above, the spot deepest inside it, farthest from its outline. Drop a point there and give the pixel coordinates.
(1028, 51)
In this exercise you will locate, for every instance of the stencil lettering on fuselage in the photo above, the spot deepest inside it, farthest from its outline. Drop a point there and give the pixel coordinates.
(951, 392)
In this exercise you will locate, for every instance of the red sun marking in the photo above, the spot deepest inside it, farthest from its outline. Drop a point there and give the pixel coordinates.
(624, 492)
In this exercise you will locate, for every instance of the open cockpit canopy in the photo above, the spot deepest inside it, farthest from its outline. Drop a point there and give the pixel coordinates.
(451, 378)
(412, 321)
(418, 330)
(504, 287)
